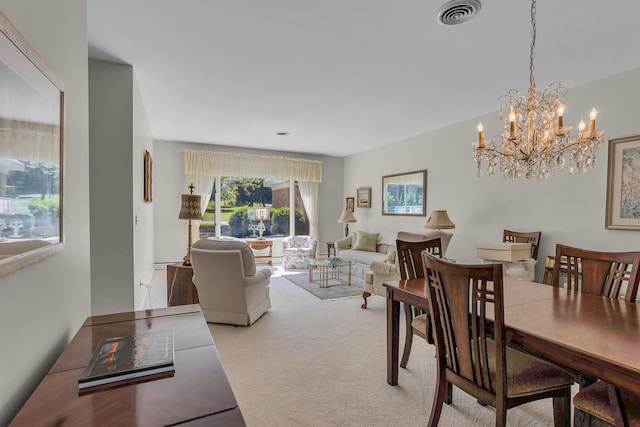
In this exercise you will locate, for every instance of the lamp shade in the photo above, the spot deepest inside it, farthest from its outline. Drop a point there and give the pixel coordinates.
(347, 217)
(262, 213)
(190, 207)
(439, 220)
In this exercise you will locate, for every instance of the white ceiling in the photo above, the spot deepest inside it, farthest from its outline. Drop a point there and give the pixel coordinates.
(343, 76)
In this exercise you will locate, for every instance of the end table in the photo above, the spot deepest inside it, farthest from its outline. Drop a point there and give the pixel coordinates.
(331, 246)
(180, 287)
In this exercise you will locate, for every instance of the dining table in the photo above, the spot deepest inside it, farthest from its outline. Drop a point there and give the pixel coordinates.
(588, 333)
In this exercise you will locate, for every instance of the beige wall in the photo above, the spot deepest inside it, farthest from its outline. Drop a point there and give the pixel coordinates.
(567, 208)
(43, 305)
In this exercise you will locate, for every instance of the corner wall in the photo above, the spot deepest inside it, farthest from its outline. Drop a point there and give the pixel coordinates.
(42, 306)
(568, 209)
(121, 223)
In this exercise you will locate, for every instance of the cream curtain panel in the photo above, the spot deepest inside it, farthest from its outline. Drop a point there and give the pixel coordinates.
(212, 163)
(201, 168)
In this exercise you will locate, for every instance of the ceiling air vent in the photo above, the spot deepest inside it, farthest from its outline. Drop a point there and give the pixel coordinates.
(458, 11)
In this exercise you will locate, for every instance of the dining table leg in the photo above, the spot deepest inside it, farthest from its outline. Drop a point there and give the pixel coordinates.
(393, 333)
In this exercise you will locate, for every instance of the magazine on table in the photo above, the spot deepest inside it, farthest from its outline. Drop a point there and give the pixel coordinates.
(132, 357)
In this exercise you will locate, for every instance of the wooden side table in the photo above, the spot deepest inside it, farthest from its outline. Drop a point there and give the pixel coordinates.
(331, 246)
(180, 287)
(258, 245)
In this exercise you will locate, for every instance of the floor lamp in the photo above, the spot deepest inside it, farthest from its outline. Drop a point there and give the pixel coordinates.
(190, 209)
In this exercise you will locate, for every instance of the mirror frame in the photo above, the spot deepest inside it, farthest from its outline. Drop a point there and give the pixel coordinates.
(415, 178)
(40, 115)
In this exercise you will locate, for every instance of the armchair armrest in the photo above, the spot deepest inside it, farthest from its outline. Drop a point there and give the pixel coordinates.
(383, 267)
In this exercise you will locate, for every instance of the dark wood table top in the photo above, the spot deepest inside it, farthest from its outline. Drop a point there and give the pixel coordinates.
(198, 388)
(595, 335)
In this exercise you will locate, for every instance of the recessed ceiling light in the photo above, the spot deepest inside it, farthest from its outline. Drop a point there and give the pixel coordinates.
(282, 133)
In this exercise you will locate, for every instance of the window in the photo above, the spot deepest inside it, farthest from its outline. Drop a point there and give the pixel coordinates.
(240, 200)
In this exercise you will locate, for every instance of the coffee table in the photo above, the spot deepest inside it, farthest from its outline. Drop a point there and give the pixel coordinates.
(328, 269)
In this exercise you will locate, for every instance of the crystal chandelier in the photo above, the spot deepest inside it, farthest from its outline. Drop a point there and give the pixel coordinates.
(535, 141)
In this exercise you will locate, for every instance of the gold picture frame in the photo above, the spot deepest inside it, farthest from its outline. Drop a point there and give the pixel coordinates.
(148, 177)
(364, 197)
(350, 203)
(623, 184)
(405, 194)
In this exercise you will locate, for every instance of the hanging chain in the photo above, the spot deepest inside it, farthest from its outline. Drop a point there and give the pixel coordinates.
(533, 40)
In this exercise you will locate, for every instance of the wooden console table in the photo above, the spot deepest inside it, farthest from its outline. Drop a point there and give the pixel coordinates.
(258, 245)
(198, 393)
(180, 287)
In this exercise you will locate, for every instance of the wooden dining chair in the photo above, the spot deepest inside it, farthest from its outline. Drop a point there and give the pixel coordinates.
(464, 300)
(602, 273)
(607, 274)
(532, 237)
(410, 267)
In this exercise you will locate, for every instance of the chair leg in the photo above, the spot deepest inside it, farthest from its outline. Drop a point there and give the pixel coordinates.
(562, 409)
(365, 295)
(501, 414)
(408, 341)
(442, 389)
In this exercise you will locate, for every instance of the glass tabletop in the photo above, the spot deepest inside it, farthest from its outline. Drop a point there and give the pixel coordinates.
(329, 262)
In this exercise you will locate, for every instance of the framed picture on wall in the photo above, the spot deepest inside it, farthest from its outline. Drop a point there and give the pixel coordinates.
(364, 197)
(148, 173)
(405, 194)
(623, 184)
(350, 203)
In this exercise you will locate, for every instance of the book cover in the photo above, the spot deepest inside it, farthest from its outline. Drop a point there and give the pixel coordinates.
(129, 357)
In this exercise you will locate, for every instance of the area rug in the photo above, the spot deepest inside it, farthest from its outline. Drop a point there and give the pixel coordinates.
(335, 289)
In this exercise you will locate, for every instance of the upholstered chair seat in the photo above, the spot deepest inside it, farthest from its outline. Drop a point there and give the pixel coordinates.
(295, 249)
(593, 402)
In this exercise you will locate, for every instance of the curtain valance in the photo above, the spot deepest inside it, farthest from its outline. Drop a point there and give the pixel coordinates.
(199, 163)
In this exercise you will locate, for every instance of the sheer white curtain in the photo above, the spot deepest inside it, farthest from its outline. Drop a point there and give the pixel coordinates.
(309, 194)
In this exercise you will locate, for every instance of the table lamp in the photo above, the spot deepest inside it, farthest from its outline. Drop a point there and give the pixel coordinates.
(439, 220)
(190, 209)
(262, 214)
(345, 218)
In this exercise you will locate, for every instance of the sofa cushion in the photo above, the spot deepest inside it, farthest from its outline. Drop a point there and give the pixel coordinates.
(365, 241)
(363, 257)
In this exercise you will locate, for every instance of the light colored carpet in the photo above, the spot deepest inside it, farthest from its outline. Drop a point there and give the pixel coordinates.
(335, 289)
(311, 363)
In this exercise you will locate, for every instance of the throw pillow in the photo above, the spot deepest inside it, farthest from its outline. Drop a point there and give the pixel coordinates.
(366, 241)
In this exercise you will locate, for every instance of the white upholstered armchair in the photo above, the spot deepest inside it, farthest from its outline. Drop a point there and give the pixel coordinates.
(229, 287)
(295, 249)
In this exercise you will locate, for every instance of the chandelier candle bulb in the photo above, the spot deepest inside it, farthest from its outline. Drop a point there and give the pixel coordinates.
(560, 116)
(592, 121)
(512, 122)
(480, 134)
(581, 126)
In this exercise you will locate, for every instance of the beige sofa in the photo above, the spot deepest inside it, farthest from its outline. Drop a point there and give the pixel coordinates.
(387, 270)
(384, 250)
